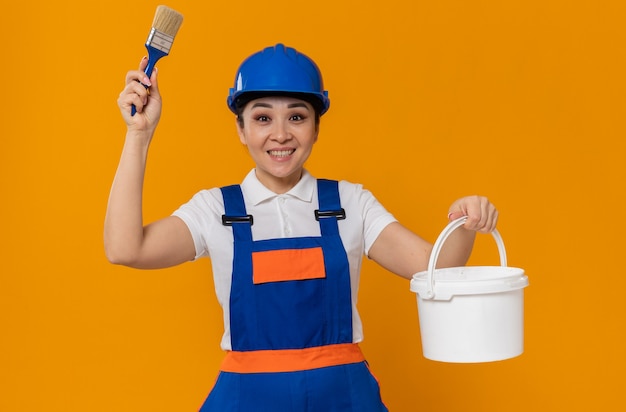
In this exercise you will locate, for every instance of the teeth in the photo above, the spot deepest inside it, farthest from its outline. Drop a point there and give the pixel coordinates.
(281, 153)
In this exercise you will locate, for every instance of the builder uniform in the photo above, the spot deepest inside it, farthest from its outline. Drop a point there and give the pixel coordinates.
(286, 270)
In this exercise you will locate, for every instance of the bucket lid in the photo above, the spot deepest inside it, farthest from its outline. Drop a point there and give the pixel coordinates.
(469, 280)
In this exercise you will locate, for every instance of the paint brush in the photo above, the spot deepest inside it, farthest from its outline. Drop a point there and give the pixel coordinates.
(164, 28)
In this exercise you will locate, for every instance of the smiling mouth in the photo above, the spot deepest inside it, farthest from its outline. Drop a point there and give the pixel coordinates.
(281, 153)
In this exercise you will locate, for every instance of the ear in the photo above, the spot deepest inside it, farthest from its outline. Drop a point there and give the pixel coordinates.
(240, 132)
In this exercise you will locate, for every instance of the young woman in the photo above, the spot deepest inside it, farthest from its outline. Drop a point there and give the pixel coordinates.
(285, 247)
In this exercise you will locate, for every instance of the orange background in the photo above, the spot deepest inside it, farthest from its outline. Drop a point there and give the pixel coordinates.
(522, 101)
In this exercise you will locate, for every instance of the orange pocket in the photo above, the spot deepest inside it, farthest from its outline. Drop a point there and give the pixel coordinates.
(288, 264)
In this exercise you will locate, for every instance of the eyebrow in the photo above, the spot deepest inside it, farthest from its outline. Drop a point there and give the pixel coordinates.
(289, 106)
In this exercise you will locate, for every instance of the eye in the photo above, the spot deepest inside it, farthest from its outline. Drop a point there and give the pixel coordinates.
(297, 117)
(262, 118)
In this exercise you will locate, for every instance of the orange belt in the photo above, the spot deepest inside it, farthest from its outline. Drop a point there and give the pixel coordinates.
(291, 360)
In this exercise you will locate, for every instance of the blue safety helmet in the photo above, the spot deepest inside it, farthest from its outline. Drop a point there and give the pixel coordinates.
(278, 70)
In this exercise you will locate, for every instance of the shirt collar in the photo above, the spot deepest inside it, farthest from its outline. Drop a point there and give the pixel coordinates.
(257, 193)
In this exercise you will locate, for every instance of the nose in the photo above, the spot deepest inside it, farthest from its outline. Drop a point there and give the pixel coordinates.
(281, 132)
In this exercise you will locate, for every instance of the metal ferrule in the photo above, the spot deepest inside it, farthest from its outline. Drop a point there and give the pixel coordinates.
(160, 41)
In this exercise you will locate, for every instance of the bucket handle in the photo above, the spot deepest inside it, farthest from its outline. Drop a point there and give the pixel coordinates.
(434, 255)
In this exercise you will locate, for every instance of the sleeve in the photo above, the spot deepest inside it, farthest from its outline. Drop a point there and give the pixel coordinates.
(202, 215)
(375, 219)
(373, 215)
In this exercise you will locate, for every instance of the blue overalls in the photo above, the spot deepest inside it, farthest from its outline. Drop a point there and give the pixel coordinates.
(291, 321)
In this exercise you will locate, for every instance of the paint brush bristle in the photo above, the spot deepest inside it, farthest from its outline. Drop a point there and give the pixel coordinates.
(164, 27)
(167, 20)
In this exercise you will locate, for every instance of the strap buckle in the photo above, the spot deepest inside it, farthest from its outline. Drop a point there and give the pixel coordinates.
(339, 214)
(229, 220)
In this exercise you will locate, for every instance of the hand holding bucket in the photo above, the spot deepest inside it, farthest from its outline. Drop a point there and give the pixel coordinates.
(470, 313)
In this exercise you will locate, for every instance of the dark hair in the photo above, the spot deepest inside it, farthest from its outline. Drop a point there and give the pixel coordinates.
(246, 98)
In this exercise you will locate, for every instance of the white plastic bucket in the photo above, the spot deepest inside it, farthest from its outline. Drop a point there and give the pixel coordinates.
(472, 313)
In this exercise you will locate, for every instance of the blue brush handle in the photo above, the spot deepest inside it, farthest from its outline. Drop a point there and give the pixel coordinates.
(153, 57)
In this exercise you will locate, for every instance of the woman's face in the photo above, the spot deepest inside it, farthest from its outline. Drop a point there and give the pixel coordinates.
(279, 133)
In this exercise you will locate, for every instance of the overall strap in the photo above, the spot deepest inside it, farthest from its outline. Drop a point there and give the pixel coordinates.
(330, 206)
(235, 214)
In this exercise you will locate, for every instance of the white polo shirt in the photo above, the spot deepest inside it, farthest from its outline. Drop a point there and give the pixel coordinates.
(282, 216)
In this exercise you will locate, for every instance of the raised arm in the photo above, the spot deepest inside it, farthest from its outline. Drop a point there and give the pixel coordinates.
(404, 253)
(127, 241)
